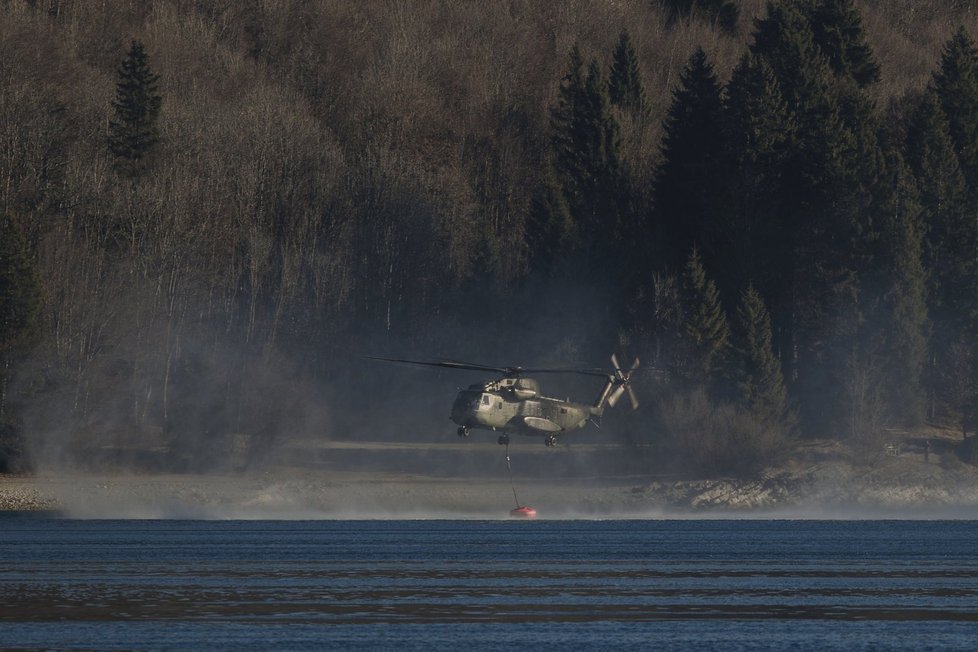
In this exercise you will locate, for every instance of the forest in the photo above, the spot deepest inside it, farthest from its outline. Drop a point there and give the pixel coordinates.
(212, 210)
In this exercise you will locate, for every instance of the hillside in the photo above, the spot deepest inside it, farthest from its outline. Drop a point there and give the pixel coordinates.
(313, 182)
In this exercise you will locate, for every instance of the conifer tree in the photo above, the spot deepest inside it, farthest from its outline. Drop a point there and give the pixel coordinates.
(785, 40)
(759, 131)
(838, 31)
(833, 238)
(756, 117)
(625, 81)
(133, 132)
(687, 204)
(706, 330)
(585, 143)
(900, 319)
(829, 181)
(755, 371)
(950, 238)
(956, 84)
(549, 229)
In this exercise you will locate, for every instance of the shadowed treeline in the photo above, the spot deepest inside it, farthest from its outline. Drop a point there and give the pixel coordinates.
(763, 200)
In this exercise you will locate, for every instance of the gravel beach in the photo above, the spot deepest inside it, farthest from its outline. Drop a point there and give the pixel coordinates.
(816, 484)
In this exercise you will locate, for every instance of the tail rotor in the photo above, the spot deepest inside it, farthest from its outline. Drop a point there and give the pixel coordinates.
(621, 381)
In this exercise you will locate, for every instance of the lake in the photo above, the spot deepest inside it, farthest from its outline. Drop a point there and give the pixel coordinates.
(423, 584)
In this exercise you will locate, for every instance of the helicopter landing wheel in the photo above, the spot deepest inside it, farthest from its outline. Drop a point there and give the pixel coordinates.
(551, 441)
(463, 431)
(503, 440)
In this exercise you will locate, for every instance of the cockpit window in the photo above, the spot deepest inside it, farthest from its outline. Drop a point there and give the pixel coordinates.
(485, 399)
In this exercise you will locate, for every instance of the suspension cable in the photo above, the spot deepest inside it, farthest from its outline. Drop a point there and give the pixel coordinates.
(511, 483)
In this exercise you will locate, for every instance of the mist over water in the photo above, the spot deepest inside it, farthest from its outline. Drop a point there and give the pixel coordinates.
(373, 440)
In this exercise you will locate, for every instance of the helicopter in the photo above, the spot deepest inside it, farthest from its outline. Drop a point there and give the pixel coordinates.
(513, 404)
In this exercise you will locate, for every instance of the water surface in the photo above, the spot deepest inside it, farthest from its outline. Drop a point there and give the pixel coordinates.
(636, 584)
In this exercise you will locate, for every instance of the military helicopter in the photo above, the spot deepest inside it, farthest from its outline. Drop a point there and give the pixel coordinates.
(514, 405)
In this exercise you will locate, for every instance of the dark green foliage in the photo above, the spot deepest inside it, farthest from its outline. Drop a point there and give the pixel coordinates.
(549, 229)
(625, 81)
(950, 238)
(833, 239)
(956, 84)
(754, 369)
(784, 39)
(838, 32)
(899, 324)
(759, 131)
(133, 132)
(798, 38)
(341, 178)
(585, 144)
(823, 195)
(758, 123)
(950, 234)
(707, 334)
(688, 199)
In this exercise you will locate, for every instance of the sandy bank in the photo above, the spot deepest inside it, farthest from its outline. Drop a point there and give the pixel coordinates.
(823, 479)
(895, 488)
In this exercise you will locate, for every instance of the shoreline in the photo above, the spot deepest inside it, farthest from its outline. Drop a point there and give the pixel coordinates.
(313, 480)
(827, 490)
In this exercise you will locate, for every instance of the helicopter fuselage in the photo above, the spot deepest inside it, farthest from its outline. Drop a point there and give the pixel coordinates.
(515, 406)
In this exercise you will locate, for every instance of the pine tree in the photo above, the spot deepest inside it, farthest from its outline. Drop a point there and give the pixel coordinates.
(899, 323)
(758, 123)
(585, 143)
(549, 229)
(625, 81)
(785, 40)
(759, 131)
(706, 331)
(133, 132)
(838, 32)
(826, 191)
(950, 239)
(755, 370)
(956, 84)
(833, 238)
(686, 198)
(950, 236)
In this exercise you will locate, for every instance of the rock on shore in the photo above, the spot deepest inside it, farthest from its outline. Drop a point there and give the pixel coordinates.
(827, 489)
(821, 479)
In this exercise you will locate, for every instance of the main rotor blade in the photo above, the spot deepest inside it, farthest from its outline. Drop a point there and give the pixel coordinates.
(594, 371)
(445, 364)
(615, 395)
(614, 362)
(506, 371)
